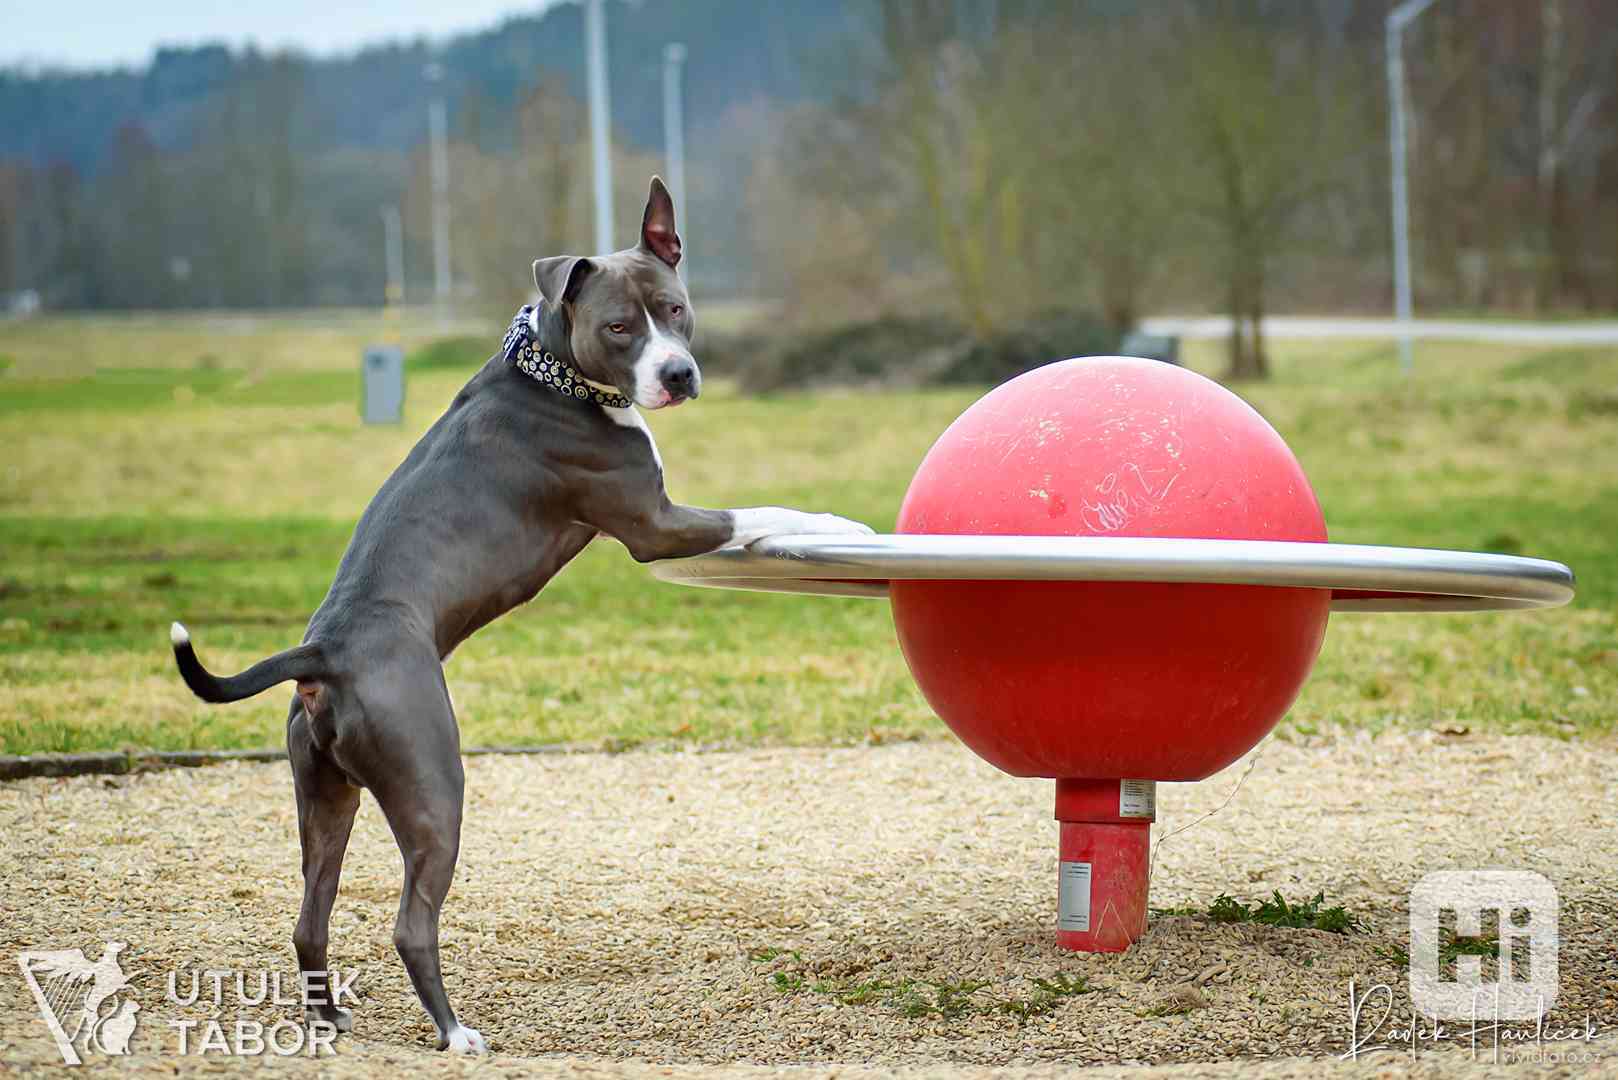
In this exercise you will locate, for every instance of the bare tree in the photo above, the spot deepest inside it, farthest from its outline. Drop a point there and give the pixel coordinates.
(1573, 85)
(16, 180)
(550, 127)
(1264, 155)
(1111, 166)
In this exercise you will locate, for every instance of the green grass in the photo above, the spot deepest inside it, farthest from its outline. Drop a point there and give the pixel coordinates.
(210, 468)
(128, 389)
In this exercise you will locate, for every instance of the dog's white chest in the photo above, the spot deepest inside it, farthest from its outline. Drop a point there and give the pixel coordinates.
(630, 417)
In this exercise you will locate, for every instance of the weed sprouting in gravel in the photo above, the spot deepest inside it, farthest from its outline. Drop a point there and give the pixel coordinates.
(1227, 909)
(910, 1001)
(1172, 1006)
(1310, 914)
(952, 999)
(912, 998)
(917, 999)
(1449, 947)
(1048, 993)
(767, 953)
(1469, 946)
(862, 993)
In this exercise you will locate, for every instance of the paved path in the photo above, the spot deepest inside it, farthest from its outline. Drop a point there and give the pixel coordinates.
(1298, 326)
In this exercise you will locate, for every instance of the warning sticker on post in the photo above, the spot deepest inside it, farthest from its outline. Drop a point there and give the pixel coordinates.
(1073, 896)
(1137, 798)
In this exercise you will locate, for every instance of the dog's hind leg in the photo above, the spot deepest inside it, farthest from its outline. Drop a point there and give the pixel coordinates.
(419, 783)
(326, 806)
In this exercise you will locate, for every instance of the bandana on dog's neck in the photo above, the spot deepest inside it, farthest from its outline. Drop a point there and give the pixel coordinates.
(522, 348)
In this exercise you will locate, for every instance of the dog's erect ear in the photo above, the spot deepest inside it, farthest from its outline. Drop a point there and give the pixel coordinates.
(559, 277)
(657, 233)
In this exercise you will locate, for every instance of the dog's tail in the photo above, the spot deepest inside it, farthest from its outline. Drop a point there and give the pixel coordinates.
(304, 663)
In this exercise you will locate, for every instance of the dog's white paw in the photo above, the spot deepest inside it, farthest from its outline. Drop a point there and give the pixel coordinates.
(755, 523)
(834, 525)
(341, 1019)
(463, 1040)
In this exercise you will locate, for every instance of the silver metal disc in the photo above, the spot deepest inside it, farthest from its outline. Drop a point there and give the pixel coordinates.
(1361, 577)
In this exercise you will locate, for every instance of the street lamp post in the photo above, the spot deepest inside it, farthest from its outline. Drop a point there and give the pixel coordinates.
(1399, 18)
(595, 39)
(393, 257)
(438, 136)
(674, 133)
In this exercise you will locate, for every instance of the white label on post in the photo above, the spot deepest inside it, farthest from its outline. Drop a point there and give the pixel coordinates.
(1073, 896)
(1137, 798)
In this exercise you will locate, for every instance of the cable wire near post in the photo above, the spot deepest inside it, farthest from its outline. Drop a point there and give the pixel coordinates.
(595, 38)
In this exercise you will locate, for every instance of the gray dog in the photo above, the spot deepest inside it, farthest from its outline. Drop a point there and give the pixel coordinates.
(538, 454)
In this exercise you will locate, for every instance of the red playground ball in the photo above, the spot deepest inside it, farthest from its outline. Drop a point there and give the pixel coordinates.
(1075, 679)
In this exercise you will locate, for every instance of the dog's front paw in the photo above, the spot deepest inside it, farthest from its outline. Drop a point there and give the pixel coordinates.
(463, 1040)
(831, 524)
(756, 523)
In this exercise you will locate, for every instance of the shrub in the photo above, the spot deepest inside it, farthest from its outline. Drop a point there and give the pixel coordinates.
(1049, 336)
(735, 353)
(903, 351)
(888, 349)
(452, 352)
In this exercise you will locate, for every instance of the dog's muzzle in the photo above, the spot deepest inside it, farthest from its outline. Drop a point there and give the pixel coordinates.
(680, 379)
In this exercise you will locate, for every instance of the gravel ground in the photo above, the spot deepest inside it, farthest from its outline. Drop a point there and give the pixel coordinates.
(820, 912)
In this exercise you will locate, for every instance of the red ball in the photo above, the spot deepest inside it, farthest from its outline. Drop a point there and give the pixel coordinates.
(1155, 681)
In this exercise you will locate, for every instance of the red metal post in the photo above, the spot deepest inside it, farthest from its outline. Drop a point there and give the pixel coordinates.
(1105, 862)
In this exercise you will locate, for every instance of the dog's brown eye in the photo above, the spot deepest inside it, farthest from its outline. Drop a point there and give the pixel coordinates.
(675, 309)
(617, 328)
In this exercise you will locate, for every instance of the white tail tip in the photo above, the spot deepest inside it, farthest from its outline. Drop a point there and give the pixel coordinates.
(179, 635)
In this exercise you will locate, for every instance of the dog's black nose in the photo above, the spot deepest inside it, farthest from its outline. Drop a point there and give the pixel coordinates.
(680, 378)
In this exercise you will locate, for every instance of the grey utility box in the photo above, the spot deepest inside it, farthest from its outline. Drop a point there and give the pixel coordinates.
(383, 389)
(1151, 346)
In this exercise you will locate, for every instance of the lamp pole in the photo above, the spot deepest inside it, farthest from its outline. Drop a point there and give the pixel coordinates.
(674, 132)
(393, 256)
(438, 135)
(595, 40)
(1399, 18)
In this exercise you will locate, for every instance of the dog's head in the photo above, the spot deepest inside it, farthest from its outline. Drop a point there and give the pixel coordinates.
(626, 317)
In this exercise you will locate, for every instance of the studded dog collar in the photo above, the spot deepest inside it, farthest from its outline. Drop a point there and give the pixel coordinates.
(538, 363)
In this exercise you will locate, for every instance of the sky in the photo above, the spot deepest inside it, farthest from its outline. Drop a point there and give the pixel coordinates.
(107, 33)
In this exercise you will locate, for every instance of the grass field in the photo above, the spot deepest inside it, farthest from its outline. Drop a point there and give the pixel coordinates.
(211, 469)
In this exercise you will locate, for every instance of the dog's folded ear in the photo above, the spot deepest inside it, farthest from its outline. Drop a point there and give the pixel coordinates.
(657, 233)
(559, 277)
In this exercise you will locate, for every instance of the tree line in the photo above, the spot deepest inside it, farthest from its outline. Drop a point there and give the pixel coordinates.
(995, 158)
(1201, 155)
